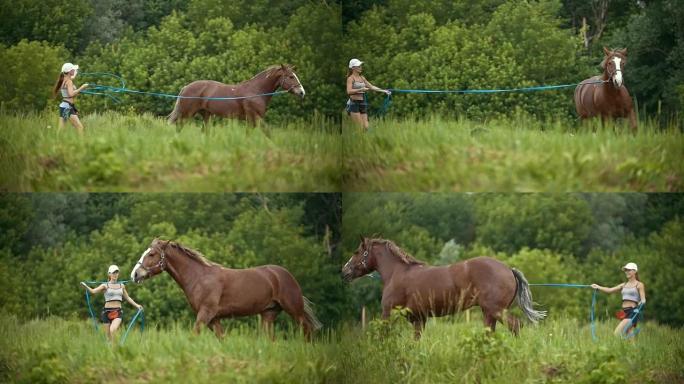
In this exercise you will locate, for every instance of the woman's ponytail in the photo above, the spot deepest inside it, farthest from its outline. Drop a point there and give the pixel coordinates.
(58, 85)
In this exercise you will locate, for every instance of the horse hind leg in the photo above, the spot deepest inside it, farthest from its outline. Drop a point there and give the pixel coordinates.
(215, 324)
(513, 323)
(267, 319)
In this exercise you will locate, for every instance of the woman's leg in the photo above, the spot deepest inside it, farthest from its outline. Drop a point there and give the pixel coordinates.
(60, 125)
(115, 326)
(77, 123)
(106, 328)
(356, 117)
(364, 120)
(619, 329)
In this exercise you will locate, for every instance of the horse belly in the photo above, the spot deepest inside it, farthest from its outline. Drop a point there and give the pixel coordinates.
(245, 297)
(433, 294)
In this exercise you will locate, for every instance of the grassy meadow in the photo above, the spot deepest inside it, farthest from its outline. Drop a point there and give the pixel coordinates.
(520, 155)
(561, 350)
(143, 153)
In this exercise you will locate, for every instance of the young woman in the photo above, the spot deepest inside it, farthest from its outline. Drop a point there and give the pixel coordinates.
(633, 294)
(65, 88)
(114, 293)
(357, 86)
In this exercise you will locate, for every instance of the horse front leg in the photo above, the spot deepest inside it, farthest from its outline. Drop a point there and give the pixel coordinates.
(633, 121)
(204, 317)
(418, 327)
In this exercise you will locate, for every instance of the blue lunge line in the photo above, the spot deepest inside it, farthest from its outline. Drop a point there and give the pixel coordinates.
(637, 313)
(142, 325)
(130, 325)
(592, 317)
(123, 89)
(388, 99)
(97, 87)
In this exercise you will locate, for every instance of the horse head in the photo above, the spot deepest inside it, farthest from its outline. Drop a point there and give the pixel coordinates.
(361, 263)
(289, 81)
(152, 262)
(613, 65)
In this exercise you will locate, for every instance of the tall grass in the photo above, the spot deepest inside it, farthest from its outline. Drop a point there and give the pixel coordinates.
(144, 153)
(559, 350)
(522, 154)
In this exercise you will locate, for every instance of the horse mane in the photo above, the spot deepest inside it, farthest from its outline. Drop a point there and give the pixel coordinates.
(195, 255)
(268, 72)
(613, 52)
(395, 250)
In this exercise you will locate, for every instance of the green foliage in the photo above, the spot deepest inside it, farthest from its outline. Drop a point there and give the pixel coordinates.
(556, 222)
(127, 153)
(549, 237)
(654, 38)
(520, 154)
(58, 22)
(31, 69)
(520, 45)
(233, 230)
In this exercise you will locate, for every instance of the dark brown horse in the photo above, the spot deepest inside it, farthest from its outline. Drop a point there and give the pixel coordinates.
(245, 101)
(438, 291)
(606, 95)
(216, 292)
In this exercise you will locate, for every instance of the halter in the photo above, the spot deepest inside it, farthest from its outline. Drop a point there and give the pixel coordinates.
(161, 265)
(364, 261)
(282, 80)
(617, 69)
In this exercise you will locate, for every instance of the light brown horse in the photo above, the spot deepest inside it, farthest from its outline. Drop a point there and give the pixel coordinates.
(606, 95)
(246, 101)
(429, 291)
(216, 292)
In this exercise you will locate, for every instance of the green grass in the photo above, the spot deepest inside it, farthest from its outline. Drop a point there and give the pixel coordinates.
(559, 350)
(520, 155)
(144, 153)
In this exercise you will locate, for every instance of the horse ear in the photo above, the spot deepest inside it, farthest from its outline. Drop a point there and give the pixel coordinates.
(606, 51)
(363, 239)
(622, 51)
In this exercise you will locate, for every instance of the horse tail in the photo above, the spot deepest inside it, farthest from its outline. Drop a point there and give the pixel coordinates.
(175, 114)
(524, 298)
(310, 316)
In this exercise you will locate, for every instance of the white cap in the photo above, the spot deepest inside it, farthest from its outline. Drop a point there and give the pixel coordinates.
(113, 268)
(67, 67)
(355, 63)
(630, 266)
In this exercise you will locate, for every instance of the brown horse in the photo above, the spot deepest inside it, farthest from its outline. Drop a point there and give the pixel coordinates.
(438, 291)
(246, 101)
(606, 95)
(216, 292)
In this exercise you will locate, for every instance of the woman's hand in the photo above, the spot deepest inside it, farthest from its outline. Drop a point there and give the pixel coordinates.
(595, 286)
(387, 92)
(140, 307)
(84, 86)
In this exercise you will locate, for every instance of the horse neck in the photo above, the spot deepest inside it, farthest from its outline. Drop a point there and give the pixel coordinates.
(185, 270)
(388, 265)
(263, 84)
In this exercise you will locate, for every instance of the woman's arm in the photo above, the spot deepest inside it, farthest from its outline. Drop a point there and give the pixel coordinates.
(606, 289)
(73, 92)
(374, 88)
(130, 301)
(99, 289)
(642, 293)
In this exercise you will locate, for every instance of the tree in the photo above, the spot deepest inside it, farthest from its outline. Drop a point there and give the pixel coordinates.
(32, 69)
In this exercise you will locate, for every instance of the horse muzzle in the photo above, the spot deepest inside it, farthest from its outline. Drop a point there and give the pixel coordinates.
(618, 80)
(139, 276)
